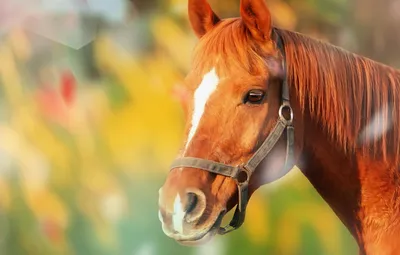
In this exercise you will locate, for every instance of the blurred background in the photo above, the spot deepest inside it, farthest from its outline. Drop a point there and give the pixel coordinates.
(90, 121)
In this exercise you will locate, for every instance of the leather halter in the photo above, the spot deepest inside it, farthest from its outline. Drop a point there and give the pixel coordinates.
(242, 173)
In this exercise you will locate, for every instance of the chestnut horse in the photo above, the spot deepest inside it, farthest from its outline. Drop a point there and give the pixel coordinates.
(261, 100)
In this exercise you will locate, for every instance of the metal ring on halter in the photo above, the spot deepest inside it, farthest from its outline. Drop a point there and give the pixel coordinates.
(243, 175)
(281, 108)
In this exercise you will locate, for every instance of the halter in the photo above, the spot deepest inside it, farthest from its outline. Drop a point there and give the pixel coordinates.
(242, 173)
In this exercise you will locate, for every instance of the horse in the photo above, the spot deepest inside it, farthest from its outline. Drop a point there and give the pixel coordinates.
(261, 100)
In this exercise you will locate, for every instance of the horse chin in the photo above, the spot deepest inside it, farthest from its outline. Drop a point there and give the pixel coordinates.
(201, 241)
(205, 236)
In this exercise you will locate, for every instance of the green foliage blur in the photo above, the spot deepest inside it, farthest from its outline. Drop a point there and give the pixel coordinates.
(87, 135)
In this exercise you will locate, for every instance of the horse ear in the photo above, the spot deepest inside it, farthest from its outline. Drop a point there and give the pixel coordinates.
(257, 18)
(201, 17)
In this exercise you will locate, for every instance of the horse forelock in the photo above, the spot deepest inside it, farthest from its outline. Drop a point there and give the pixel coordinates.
(230, 48)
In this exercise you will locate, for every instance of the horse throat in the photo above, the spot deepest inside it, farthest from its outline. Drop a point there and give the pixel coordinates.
(334, 175)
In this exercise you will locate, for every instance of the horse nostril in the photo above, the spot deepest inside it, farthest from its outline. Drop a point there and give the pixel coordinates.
(191, 202)
(195, 205)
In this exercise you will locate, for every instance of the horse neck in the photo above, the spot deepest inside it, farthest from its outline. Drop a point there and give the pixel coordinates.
(359, 190)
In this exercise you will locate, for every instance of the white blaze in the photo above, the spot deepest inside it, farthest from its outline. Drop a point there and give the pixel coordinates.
(178, 215)
(160, 216)
(201, 96)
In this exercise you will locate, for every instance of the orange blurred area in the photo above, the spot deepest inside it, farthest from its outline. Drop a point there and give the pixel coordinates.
(87, 134)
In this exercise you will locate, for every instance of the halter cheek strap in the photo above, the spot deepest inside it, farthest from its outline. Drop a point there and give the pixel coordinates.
(242, 173)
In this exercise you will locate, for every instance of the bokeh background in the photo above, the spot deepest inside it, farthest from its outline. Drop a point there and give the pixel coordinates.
(90, 121)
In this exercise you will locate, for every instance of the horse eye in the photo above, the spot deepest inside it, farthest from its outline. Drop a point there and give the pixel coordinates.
(255, 96)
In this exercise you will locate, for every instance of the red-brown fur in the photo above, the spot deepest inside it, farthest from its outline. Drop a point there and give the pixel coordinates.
(334, 95)
(339, 97)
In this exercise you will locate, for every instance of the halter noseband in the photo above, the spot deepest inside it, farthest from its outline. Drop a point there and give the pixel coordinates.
(242, 173)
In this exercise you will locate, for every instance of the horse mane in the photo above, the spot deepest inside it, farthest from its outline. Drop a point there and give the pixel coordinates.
(355, 99)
